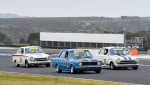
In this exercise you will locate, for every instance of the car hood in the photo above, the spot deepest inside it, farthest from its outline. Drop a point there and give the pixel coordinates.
(125, 57)
(38, 55)
(87, 59)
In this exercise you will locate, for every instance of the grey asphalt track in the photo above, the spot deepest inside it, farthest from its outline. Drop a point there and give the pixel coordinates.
(140, 76)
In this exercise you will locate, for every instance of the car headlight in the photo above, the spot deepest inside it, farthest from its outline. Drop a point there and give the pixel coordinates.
(99, 63)
(137, 60)
(49, 57)
(31, 58)
(118, 60)
(79, 64)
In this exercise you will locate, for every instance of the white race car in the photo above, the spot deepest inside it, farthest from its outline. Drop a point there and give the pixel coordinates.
(31, 55)
(116, 57)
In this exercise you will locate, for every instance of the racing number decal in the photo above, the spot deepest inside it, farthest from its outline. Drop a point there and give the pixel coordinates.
(20, 59)
(105, 62)
(65, 63)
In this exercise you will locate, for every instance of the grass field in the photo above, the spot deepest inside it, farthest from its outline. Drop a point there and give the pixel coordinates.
(22, 79)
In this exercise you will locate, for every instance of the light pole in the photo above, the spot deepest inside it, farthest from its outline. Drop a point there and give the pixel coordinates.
(124, 37)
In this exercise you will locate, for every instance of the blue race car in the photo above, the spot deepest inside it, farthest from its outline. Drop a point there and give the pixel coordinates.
(76, 60)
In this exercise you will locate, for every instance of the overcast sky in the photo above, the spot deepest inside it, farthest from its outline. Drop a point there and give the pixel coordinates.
(76, 8)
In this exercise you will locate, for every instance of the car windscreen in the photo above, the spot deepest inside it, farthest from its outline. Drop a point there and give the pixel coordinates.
(119, 51)
(80, 53)
(33, 50)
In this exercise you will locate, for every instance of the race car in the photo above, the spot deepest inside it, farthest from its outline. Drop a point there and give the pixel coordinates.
(117, 57)
(31, 56)
(74, 60)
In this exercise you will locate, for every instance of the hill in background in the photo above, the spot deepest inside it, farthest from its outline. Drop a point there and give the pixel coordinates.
(9, 15)
(17, 28)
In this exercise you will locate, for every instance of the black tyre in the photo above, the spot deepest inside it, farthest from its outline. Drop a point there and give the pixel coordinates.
(35, 65)
(98, 71)
(47, 65)
(16, 64)
(27, 64)
(112, 66)
(73, 70)
(58, 69)
(135, 68)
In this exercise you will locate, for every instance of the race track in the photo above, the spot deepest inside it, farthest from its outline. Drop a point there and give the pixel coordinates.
(140, 76)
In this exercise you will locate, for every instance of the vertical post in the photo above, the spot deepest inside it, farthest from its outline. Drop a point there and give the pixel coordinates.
(70, 44)
(64, 44)
(40, 43)
(46, 43)
(96, 45)
(52, 43)
(83, 44)
(76, 45)
(58, 43)
(89, 44)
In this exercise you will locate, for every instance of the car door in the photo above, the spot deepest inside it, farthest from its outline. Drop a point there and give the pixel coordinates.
(100, 54)
(21, 58)
(17, 56)
(66, 61)
(105, 56)
(61, 60)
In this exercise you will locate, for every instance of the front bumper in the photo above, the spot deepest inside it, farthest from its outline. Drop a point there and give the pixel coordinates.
(40, 62)
(127, 65)
(89, 67)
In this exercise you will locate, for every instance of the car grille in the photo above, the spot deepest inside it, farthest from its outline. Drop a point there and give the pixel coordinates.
(89, 63)
(40, 59)
(128, 62)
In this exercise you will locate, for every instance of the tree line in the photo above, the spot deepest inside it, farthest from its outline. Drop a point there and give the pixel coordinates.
(33, 39)
(4, 39)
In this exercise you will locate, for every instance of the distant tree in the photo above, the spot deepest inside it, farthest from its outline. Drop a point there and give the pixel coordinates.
(22, 41)
(7, 42)
(2, 36)
(108, 32)
(34, 38)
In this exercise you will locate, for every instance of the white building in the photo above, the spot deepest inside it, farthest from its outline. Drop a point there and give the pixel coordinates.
(75, 40)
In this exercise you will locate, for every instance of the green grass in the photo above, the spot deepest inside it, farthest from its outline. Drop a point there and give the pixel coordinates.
(22, 79)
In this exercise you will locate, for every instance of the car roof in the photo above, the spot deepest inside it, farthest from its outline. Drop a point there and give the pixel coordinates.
(73, 49)
(29, 46)
(113, 47)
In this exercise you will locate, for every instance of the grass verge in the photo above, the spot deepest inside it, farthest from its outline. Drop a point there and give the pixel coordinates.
(22, 79)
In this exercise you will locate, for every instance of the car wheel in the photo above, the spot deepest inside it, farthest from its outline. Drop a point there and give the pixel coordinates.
(72, 69)
(35, 65)
(98, 71)
(135, 68)
(47, 65)
(112, 66)
(27, 64)
(16, 64)
(58, 69)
